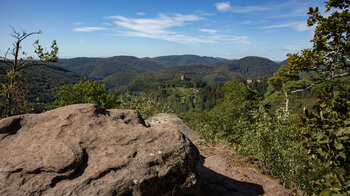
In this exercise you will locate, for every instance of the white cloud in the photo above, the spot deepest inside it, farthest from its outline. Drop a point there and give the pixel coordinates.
(88, 29)
(141, 13)
(172, 37)
(223, 6)
(106, 23)
(298, 26)
(210, 31)
(157, 28)
(161, 27)
(226, 7)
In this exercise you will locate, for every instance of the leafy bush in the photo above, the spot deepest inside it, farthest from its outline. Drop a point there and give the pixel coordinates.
(145, 104)
(224, 120)
(84, 92)
(247, 127)
(326, 133)
(275, 139)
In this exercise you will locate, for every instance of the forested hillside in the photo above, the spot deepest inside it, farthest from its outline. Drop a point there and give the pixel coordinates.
(47, 80)
(176, 60)
(248, 67)
(294, 116)
(118, 71)
(100, 68)
(42, 83)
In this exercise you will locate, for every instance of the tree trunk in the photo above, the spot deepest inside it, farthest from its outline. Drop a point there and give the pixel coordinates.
(286, 97)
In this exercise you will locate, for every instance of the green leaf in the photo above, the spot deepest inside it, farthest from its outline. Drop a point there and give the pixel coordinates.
(338, 146)
(326, 193)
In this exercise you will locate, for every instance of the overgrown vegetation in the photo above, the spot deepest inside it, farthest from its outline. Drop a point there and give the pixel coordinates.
(12, 92)
(84, 92)
(297, 122)
(326, 135)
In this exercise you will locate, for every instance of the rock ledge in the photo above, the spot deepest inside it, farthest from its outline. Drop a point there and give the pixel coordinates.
(85, 150)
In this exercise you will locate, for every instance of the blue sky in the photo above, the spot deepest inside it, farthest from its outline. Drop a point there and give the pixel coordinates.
(104, 28)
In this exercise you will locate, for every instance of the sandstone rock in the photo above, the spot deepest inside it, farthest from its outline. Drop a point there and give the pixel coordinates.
(84, 150)
(164, 120)
(222, 170)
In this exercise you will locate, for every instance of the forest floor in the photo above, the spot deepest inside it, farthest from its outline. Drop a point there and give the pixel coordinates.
(225, 172)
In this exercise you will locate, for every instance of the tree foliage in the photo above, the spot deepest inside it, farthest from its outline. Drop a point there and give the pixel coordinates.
(11, 93)
(329, 56)
(326, 133)
(280, 85)
(226, 119)
(245, 125)
(84, 92)
(145, 104)
(178, 96)
(326, 130)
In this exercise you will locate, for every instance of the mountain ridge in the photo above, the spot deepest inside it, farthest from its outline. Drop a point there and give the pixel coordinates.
(186, 59)
(120, 70)
(117, 71)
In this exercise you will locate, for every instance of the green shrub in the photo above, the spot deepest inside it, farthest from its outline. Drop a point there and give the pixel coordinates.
(326, 134)
(84, 92)
(145, 104)
(247, 127)
(275, 139)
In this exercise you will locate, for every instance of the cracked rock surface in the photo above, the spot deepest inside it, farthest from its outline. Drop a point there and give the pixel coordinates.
(84, 150)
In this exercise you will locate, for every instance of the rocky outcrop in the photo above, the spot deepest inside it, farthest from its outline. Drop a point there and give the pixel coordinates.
(224, 172)
(166, 120)
(85, 150)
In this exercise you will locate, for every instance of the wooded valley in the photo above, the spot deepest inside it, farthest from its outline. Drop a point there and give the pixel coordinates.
(293, 115)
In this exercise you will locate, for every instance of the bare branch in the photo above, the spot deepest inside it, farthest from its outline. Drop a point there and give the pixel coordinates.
(23, 35)
(5, 60)
(327, 79)
(304, 89)
(5, 57)
(14, 33)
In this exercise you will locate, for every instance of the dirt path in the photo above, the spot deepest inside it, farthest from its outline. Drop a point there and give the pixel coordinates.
(224, 172)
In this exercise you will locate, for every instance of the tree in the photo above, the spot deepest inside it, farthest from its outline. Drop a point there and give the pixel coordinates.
(280, 83)
(84, 92)
(10, 92)
(229, 118)
(325, 131)
(327, 60)
(329, 56)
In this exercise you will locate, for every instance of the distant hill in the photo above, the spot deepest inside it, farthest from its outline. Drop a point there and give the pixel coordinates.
(120, 70)
(283, 62)
(44, 81)
(195, 71)
(248, 67)
(176, 60)
(99, 68)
